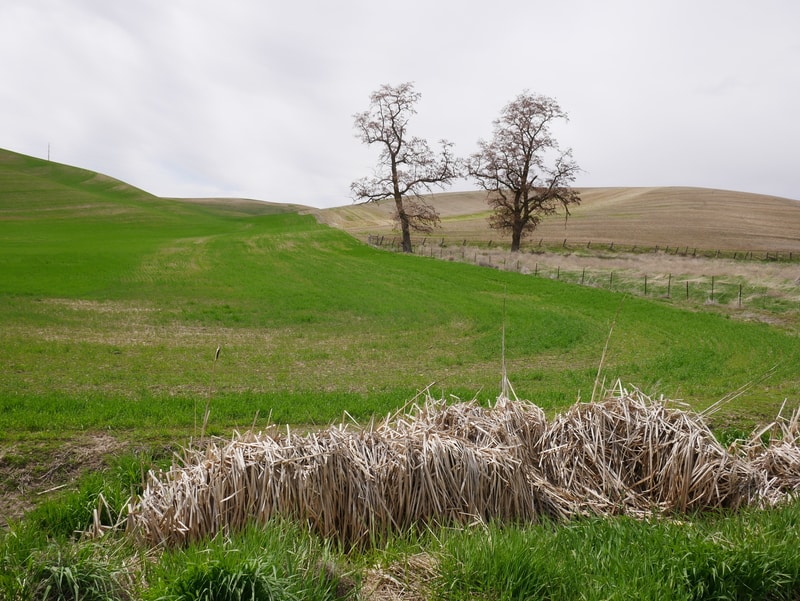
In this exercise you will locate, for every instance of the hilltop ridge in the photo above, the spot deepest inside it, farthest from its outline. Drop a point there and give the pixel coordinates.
(645, 216)
(31, 187)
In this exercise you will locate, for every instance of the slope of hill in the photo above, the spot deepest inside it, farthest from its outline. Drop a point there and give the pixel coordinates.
(112, 302)
(693, 217)
(35, 188)
(243, 206)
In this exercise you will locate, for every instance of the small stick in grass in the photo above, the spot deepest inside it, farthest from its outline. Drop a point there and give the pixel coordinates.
(605, 350)
(207, 412)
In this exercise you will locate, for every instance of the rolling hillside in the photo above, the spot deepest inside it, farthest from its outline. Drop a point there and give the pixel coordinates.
(112, 302)
(693, 217)
(33, 188)
(127, 320)
(676, 216)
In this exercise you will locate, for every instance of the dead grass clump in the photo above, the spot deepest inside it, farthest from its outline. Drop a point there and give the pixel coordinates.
(438, 464)
(461, 463)
(629, 454)
(406, 580)
(778, 460)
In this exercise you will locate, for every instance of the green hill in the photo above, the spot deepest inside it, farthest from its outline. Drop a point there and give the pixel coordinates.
(113, 301)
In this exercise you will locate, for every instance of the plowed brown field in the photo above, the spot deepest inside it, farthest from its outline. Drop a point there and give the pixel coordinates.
(666, 217)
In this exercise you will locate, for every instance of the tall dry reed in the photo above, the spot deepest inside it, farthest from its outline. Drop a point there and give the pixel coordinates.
(463, 463)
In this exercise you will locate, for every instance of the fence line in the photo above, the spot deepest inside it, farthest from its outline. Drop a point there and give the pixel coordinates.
(545, 245)
(697, 289)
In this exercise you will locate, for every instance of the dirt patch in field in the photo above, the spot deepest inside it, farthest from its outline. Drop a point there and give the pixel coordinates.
(32, 469)
(105, 307)
(408, 579)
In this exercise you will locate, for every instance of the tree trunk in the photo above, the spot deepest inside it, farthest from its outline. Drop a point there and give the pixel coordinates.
(406, 236)
(404, 225)
(516, 239)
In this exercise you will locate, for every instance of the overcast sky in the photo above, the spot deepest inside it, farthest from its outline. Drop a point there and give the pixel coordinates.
(255, 98)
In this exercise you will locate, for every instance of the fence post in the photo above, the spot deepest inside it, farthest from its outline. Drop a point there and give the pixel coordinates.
(687, 290)
(645, 284)
(740, 296)
(536, 269)
(558, 272)
(669, 286)
(712, 288)
(611, 280)
(583, 276)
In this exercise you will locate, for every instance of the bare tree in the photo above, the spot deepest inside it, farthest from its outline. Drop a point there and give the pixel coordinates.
(407, 166)
(522, 168)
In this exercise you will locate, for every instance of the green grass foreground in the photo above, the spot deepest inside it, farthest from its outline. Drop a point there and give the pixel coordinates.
(747, 555)
(112, 303)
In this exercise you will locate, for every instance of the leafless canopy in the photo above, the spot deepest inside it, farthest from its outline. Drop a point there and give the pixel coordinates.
(522, 168)
(407, 167)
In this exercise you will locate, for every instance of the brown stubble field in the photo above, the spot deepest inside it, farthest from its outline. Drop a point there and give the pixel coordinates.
(680, 233)
(666, 217)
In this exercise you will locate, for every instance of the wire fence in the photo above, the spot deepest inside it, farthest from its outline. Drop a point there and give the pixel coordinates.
(726, 290)
(426, 245)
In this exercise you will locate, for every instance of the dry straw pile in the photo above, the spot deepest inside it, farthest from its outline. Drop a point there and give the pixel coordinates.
(463, 463)
(779, 461)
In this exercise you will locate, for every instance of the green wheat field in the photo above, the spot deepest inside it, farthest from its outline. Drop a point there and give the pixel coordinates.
(113, 303)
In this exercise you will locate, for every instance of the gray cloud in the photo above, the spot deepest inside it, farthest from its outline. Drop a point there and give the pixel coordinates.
(255, 99)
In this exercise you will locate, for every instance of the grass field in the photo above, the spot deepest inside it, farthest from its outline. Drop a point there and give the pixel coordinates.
(113, 302)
